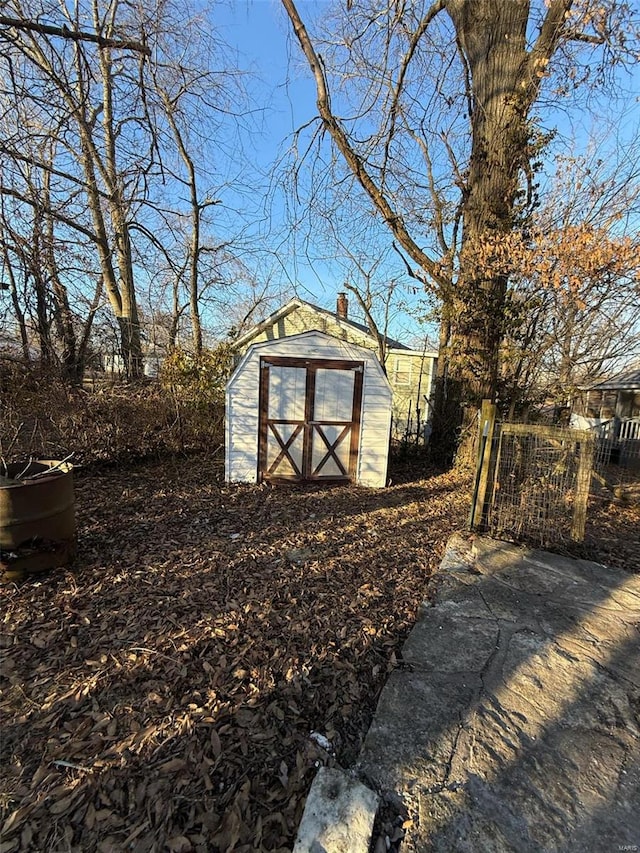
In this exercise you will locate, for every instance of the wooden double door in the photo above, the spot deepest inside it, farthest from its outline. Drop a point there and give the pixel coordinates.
(309, 418)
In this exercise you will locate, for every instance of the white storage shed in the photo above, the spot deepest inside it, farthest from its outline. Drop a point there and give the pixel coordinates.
(308, 407)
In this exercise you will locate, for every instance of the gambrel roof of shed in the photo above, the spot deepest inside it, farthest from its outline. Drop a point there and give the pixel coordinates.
(349, 349)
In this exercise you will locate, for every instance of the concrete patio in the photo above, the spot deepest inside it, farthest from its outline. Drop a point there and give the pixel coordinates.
(513, 722)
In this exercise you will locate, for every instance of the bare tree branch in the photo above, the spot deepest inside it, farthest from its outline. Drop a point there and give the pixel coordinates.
(72, 223)
(73, 35)
(437, 7)
(355, 163)
(550, 35)
(46, 167)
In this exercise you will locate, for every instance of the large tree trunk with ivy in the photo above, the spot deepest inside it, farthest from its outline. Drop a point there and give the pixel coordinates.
(492, 39)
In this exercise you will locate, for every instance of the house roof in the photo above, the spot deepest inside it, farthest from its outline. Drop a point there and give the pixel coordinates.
(297, 303)
(627, 381)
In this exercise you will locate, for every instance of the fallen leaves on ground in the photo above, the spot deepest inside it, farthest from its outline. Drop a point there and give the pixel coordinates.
(612, 535)
(160, 696)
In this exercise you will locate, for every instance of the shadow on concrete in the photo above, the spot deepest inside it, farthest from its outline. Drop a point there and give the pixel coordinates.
(514, 725)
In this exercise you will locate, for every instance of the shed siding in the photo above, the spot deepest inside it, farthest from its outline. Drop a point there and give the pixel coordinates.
(241, 448)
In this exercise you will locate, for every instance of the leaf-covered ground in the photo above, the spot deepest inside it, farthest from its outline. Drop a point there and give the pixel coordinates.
(612, 535)
(161, 694)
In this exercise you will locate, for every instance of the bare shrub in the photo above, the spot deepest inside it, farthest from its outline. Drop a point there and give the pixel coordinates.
(44, 416)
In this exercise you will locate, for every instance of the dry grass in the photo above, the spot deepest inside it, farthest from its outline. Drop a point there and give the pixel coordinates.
(109, 421)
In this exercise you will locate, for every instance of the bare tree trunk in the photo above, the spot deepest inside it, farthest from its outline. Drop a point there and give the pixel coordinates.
(499, 143)
(86, 332)
(62, 316)
(15, 301)
(196, 209)
(504, 81)
(43, 321)
(102, 240)
(175, 315)
(128, 320)
(445, 415)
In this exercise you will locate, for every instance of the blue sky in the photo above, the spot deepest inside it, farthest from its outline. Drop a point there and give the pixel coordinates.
(260, 31)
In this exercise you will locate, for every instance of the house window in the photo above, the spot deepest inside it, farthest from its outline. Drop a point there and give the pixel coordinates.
(402, 372)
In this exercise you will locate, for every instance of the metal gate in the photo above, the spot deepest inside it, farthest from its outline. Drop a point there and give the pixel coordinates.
(532, 481)
(309, 418)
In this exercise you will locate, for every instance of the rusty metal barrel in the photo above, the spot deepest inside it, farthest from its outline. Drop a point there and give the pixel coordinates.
(37, 517)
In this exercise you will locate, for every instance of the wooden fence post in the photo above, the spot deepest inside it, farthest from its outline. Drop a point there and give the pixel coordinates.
(583, 483)
(486, 427)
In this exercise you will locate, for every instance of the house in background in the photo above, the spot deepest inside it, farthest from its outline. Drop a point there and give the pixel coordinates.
(411, 373)
(612, 410)
(618, 396)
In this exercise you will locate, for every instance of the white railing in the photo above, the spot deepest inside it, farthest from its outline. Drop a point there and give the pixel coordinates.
(619, 429)
(618, 442)
(629, 429)
(614, 429)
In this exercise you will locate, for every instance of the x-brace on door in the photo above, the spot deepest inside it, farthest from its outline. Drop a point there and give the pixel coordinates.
(309, 418)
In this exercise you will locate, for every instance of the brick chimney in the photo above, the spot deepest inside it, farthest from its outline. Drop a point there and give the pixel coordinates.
(342, 306)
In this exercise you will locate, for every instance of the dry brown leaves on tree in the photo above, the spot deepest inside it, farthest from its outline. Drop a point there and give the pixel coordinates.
(160, 695)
